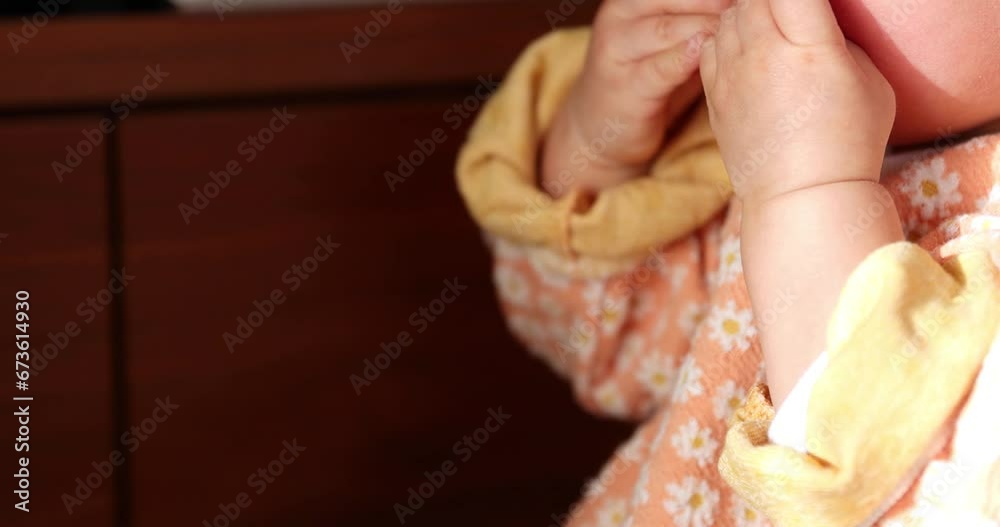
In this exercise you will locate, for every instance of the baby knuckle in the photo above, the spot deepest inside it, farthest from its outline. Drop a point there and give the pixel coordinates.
(664, 26)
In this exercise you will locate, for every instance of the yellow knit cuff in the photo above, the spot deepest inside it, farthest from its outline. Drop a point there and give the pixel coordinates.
(905, 344)
(497, 170)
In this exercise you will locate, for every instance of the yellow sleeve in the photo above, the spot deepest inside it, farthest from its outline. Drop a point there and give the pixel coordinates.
(905, 343)
(497, 170)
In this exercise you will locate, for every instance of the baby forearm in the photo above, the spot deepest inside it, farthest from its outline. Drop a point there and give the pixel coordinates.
(570, 159)
(798, 250)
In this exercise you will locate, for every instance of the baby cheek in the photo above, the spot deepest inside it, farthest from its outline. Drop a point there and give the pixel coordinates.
(927, 43)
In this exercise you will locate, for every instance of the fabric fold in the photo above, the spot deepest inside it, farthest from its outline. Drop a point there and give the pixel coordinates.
(497, 171)
(905, 345)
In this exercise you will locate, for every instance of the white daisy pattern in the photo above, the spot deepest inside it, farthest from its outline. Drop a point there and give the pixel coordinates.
(728, 398)
(559, 354)
(610, 399)
(593, 292)
(688, 381)
(677, 276)
(732, 328)
(991, 202)
(712, 279)
(930, 187)
(512, 285)
(633, 450)
(675, 339)
(549, 277)
(746, 516)
(661, 325)
(503, 249)
(691, 316)
(550, 306)
(695, 442)
(976, 143)
(613, 514)
(645, 303)
(730, 261)
(633, 347)
(640, 496)
(611, 316)
(527, 328)
(691, 502)
(580, 340)
(915, 227)
(658, 374)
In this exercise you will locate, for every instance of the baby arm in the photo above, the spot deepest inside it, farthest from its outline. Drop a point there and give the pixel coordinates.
(803, 118)
(640, 75)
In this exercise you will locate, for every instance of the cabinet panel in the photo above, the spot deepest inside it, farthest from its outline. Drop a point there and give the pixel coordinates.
(55, 246)
(252, 368)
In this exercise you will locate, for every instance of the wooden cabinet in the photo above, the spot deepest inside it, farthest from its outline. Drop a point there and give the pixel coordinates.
(55, 246)
(271, 264)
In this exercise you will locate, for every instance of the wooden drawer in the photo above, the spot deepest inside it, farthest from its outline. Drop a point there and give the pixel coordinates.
(56, 248)
(290, 377)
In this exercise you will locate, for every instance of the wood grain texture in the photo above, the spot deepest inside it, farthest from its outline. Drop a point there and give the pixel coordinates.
(290, 379)
(322, 176)
(93, 61)
(56, 249)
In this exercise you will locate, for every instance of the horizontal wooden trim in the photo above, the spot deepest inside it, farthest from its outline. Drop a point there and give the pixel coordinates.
(93, 61)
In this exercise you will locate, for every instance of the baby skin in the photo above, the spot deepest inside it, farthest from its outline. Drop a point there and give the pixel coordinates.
(806, 97)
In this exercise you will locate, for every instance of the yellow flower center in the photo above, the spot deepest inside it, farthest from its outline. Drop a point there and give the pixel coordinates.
(929, 188)
(659, 379)
(749, 515)
(617, 518)
(731, 327)
(734, 402)
(696, 500)
(698, 442)
(730, 258)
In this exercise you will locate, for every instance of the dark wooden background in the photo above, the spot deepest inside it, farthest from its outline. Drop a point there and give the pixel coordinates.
(322, 176)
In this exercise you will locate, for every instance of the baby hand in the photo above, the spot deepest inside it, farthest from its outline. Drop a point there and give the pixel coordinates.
(638, 77)
(792, 103)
